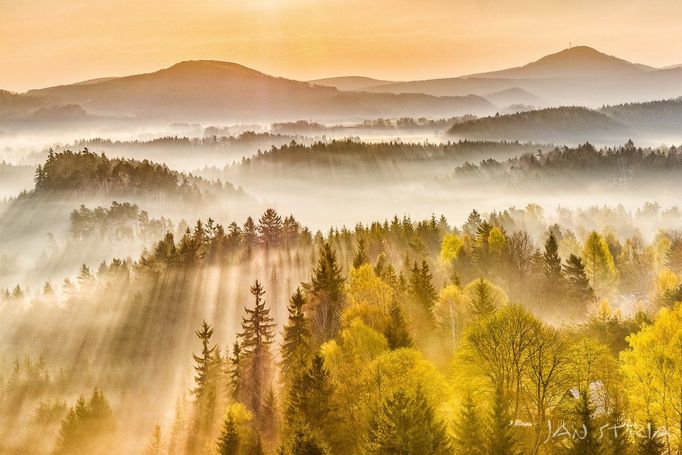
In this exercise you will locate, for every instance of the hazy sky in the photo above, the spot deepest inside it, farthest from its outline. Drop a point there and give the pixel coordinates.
(47, 42)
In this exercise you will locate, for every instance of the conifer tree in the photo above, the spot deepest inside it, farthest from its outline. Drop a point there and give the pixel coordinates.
(269, 421)
(270, 228)
(326, 295)
(501, 437)
(579, 288)
(468, 437)
(385, 270)
(407, 425)
(234, 371)
(304, 442)
(651, 442)
(203, 362)
(552, 261)
(360, 254)
(228, 443)
(249, 233)
(586, 440)
(618, 439)
(295, 344)
(87, 426)
(421, 286)
(310, 399)
(256, 337)
(472, 224)
(482, 303)
(397, 332)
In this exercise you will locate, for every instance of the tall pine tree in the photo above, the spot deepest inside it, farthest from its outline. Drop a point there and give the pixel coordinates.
(326, 295)
(501, 434)
(421, 286)
(310, 399)
(228, 444)
(296, 339)
(469, 437)
(256, 337)
(203, 362)
(578, 285)
(407, 425)
(360, 254)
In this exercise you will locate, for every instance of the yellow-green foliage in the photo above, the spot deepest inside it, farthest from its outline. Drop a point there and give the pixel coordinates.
(369, 299)
(653, 368)
(599, 265)
(451, 247)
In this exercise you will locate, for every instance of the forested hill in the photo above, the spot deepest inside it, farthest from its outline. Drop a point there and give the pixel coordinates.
(624, 166)
(87, 172)
(340, 159)
(655, 116)
(578, 124)
(562, 124)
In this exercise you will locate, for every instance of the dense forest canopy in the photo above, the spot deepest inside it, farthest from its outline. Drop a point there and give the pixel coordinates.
(338, 333)
(625, 166)
(86, 172)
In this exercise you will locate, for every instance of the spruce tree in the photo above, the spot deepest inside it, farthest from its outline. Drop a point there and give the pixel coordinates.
(651, 442)
(472, 223)
(326, 295)
(482, 303)
(270, 228)
(579, 288)
(586, 441)
(552, 261)
(304, 442)
(501, 436)
(385, 270)
(256, 337)
(228, 443)
(203, 362)
(310, 399)
(296, 339)
(249, 233)
(469, 438)
(421, 286)
(407, 425)
(235, 372)
(397, 332)
(360, 255)
(618, 439)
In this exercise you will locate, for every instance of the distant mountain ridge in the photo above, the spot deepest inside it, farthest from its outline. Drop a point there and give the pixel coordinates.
(210, 90)
(576, 76)
(580, 61)
(350, 83)
(207, 89)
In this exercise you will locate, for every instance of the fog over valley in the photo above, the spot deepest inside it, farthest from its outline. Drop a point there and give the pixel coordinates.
(214, 257)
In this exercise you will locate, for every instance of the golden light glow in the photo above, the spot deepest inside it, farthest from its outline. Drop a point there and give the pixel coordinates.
(46, 43)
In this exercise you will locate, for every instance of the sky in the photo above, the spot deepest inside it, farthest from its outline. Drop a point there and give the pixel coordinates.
(51, 42)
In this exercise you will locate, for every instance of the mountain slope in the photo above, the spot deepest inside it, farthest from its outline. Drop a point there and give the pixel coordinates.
(198, 90)
(559, 125)
(580, 75)
(350, 83)
(580, 61)
(514, 95)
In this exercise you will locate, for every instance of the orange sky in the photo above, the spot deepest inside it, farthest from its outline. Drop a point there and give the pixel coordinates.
(51, 42)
